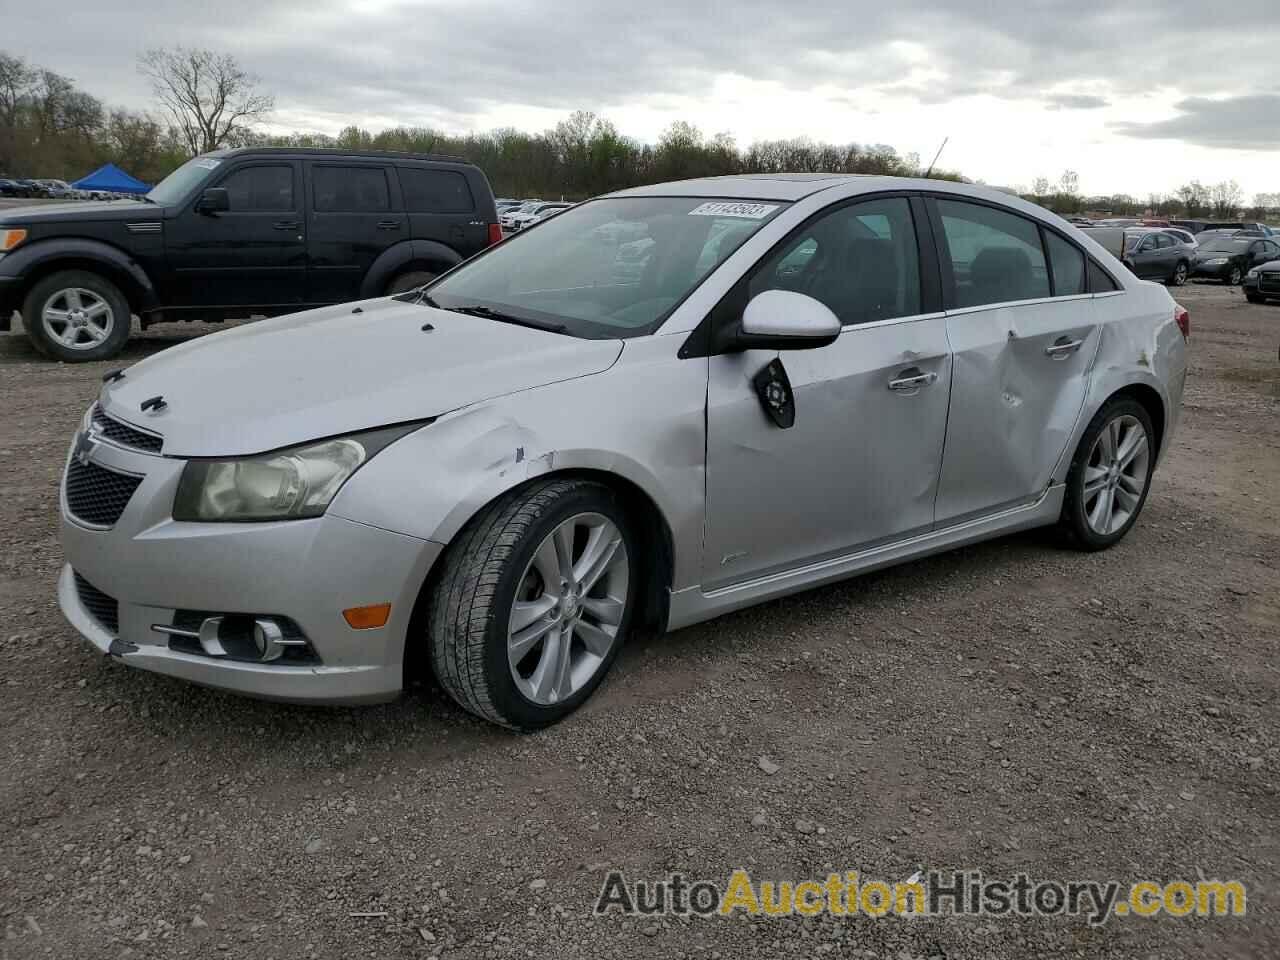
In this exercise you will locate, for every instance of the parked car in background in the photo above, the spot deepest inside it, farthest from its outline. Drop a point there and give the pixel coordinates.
(1229, 258)
(530, 213)
(1191, 226)
(503, 476)
(1158, 254)
(1183, 236)
(58, 189)
(239, 233)
(1262, 282)
(34, 188)
(1256, 229)
(11, 188)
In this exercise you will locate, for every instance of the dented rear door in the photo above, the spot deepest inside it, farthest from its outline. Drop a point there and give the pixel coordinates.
(1019, 377)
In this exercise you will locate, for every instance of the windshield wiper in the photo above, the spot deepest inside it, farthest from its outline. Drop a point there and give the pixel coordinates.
(476, 310)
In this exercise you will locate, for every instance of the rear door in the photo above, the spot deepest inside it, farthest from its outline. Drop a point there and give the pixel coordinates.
(253, 255)
(1023, 335)
(1145, 257)
(441, 208)
(354, 214)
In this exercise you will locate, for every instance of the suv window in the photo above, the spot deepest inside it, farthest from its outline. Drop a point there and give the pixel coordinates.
(260, 188)
(435, 191)
(1164, 241)
(996, 256)
(350, 189)
(1067, 263)
(860, 260)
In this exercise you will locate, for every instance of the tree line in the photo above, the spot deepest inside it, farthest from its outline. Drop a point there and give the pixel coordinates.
(205, 100)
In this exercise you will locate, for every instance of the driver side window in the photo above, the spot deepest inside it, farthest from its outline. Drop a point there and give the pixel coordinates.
(861, 261)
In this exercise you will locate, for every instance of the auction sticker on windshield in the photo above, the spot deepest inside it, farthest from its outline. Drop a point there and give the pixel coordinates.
(208, 163)
(724, 208)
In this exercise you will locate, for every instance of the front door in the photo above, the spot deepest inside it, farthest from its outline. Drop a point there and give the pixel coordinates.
(253, 255)
(860, 464)
(1023, 333)
(354, 216)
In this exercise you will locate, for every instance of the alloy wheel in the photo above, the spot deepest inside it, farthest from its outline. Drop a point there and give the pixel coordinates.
(568, 608)
(1179, 274)
(1116, 474)
(77, 318)
(1234, 279)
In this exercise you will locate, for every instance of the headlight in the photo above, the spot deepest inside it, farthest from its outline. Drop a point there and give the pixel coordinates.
(1216, 261)
(1252, 273)
(286, 485)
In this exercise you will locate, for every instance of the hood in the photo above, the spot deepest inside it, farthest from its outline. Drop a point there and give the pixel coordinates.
(80, 211)
(275, 383)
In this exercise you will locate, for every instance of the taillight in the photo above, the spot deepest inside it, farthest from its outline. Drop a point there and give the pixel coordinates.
(1183, 319)
(495, 233)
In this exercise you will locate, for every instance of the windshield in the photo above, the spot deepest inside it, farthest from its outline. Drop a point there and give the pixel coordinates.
(608, 268)
(175, 187)
(1223, 245)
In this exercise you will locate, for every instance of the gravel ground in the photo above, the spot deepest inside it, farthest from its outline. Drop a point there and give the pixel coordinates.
(1007, 707)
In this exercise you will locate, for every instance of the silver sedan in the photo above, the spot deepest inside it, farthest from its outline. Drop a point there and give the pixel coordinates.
(654, 408)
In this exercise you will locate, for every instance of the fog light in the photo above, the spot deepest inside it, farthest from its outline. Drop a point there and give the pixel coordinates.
(366, 618)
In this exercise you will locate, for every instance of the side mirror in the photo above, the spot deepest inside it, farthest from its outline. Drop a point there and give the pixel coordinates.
(785, 320)
(214, 200)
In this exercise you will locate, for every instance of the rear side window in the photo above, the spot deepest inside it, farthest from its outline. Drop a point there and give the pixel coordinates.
(1164, 241)
(1099, 280)
(1067, 263)
(435, 191)
(260, 189)
(350, 189)
(996, 256)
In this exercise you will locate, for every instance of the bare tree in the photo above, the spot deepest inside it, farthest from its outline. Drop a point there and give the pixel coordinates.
(1070, 182)
(1040, 187)
(1226, 198)
(213, 101)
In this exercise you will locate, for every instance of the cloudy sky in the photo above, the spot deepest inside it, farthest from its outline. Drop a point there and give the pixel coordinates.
(1136, 96)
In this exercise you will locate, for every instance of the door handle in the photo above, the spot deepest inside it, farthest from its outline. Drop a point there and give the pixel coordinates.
(285, 225)
(912, 379)
(1062, 347)
(388, 224)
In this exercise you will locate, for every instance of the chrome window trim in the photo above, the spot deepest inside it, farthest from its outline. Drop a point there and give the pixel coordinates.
(960, 311)
(892, 321)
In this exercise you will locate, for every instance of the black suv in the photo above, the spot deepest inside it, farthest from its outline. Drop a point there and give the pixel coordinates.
(239, 233)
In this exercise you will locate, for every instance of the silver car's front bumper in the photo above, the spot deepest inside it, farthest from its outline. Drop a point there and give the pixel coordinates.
(306, 570)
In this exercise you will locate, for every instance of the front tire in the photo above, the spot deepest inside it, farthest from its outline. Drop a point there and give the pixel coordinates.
(1234, 277)
(1179, 277)
(534, 601)
(76, 316)
(1255, 298)
(1110, 475)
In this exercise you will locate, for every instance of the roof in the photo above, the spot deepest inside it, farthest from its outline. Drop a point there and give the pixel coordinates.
(337, 152)
(796, 186)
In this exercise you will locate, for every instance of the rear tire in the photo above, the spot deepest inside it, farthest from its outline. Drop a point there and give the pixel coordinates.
(76, 316)
(508, 603)
(1110, 475)
(407, 281)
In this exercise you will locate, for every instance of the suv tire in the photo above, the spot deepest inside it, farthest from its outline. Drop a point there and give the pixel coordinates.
(1109, 479)
(76, 316)
(549, 568)
(407, 281)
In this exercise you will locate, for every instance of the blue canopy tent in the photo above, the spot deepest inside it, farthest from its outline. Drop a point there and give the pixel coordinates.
(113, 179)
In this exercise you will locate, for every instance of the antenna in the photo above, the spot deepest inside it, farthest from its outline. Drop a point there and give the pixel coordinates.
(936, 156)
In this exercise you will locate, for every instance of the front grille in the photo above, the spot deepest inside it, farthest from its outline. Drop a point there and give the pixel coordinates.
(124, 435)
(97, 495)
(101, 607)
(1269, 281)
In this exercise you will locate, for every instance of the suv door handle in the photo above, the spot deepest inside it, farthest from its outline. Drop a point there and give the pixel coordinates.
(388, 224)
(1062, 347)
(285, 225)
(912, 379)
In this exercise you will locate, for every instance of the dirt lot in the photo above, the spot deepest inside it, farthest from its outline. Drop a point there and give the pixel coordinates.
(1008, 707)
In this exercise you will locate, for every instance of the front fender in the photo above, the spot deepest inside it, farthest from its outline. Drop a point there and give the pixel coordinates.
(39, 255)
(430, 483)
